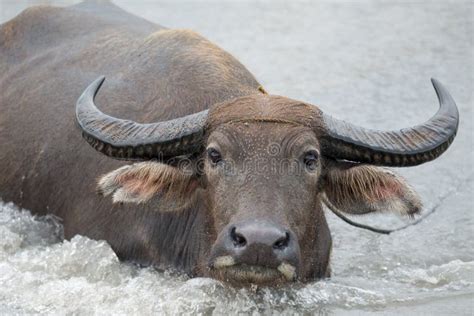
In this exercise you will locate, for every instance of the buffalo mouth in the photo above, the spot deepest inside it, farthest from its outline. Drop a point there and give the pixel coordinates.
(226, 269)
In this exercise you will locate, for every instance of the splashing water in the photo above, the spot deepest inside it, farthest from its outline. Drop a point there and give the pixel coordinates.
(41, 273)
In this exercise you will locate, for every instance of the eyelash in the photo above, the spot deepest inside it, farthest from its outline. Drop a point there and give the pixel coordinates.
(310, 159)
(214, 155)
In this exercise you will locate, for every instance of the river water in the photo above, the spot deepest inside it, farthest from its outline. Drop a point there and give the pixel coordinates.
(368, 62)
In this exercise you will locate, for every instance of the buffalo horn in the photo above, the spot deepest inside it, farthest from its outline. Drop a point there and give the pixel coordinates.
(399, 148)
(129, 140)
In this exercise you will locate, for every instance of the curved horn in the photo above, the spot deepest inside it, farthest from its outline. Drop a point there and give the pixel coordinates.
(406, 147)
(128, 140)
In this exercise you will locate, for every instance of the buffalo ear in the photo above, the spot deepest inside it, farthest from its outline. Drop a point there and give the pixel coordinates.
(360, 189)
(140, 182)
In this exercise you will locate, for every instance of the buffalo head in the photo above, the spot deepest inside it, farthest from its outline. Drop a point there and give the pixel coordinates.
(262, 165)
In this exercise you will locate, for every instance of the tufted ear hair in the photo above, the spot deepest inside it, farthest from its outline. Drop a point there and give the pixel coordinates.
(360, 189)
(140, 182)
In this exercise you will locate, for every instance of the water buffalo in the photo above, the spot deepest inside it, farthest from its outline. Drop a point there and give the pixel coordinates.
(228, 180)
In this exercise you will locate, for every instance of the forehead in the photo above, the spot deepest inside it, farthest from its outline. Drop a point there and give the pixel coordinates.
(264, 108)
(262, 137)
(255, 122)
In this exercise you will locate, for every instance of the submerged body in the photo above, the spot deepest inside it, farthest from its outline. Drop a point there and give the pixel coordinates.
(231, 218)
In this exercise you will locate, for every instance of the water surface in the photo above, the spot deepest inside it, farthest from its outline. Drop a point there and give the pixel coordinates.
(368, 62)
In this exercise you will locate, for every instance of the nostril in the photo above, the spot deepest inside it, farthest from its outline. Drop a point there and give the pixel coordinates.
(282, 243)
(238, 239)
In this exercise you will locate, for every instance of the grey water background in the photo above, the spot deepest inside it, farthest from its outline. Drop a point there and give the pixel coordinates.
(368, 62)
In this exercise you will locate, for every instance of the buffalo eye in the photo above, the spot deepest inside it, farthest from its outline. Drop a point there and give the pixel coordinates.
(214, 155)
(310, 159)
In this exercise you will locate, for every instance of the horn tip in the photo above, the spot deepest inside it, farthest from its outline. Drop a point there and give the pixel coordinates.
(440, 88)
(99, 81)
(95, 86)
(435, 82)
(442, 92)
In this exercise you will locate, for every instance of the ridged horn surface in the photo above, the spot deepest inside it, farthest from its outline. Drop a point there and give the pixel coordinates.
(399, 148)
(129, 140)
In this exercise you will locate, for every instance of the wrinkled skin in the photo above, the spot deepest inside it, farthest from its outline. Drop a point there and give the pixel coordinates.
(172, 215)
(243, 185)
(250, 187)
(262, 177)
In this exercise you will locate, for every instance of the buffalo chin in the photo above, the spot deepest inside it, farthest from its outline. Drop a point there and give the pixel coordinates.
(245, 275)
